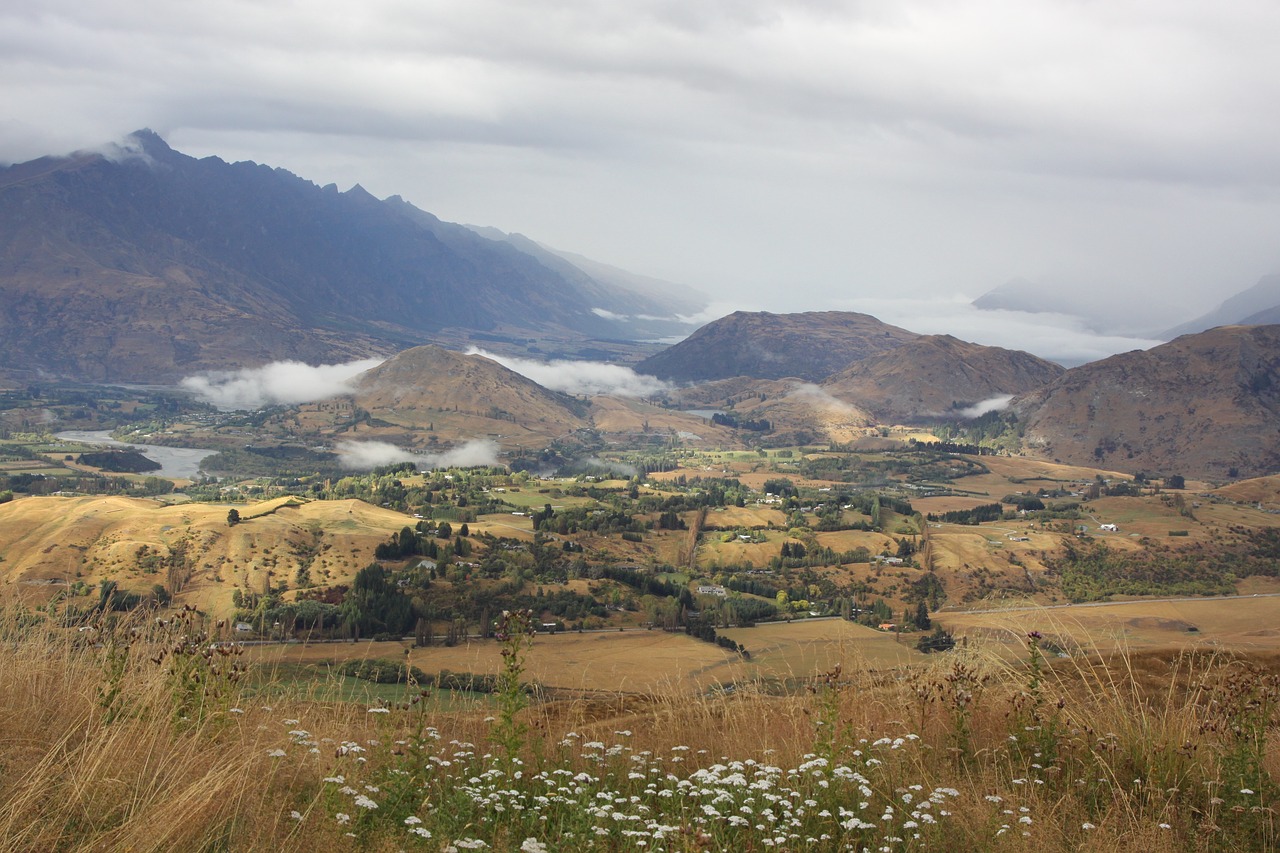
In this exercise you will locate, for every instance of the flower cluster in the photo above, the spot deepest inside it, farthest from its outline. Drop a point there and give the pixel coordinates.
(607, 796)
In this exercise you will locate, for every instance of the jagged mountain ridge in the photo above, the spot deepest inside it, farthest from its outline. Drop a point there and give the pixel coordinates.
(150, 265)
(1205, 405)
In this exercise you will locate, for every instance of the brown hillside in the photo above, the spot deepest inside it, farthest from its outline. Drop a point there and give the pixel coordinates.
(1205, 405)
(49, 543)
(802, 412)
(810, 346)
(936, 376)
(1259, 490)
(423, 385)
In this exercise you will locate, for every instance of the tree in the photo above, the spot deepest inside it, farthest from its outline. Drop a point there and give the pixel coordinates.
(938, 641)
(1177, 481)
(921, 619)
(233, 517)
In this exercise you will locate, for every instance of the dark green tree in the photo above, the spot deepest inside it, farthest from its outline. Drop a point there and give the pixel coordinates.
(938, 641)
(921, 620)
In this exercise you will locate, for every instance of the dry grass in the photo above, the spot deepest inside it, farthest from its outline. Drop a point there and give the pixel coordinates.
(1139, 751)
(1245, 625)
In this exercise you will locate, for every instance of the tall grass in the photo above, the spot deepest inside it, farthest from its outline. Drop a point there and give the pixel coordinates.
(142, 736)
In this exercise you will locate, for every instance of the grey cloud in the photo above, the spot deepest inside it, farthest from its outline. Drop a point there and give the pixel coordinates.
(782, 155)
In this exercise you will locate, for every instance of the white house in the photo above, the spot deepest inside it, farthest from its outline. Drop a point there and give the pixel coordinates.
(1108, 527)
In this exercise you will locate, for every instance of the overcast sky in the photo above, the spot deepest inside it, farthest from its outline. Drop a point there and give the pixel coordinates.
(901, 157)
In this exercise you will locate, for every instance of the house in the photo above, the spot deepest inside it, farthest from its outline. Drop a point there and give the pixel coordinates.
(887, 626)
(1108, 527)
(712, 589)
(243, 627)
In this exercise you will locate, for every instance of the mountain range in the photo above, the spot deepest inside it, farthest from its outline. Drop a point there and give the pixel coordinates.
(142, 264)
(1111, 313)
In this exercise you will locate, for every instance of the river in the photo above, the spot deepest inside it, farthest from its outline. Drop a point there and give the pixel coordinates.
(175, 462)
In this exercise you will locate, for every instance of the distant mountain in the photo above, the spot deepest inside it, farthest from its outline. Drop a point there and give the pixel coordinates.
(636, 293)
(1262, 318)
(1205, 405)
(1094, 306)
(1020, 294)
(937, 376)
(1258, 305)
(761, 345)
(144, 265)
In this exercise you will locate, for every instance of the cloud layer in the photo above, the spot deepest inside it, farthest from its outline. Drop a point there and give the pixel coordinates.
(781, 155)
(285, 383)
(581, 377)
(1065, 339)
(995, 404)
(366, 455)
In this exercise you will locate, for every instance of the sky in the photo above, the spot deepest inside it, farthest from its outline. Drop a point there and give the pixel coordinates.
(899, 157)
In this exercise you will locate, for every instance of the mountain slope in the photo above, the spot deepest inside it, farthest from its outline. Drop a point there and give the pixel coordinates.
(761, 345)
(937, 375)
(148, 265)
(608, 285)
(1204, 405)
(426, 383)
(1258, 305)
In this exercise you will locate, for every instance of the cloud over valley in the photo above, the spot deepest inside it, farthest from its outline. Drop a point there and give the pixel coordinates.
(587, 378)
(281, 383)
(365, 455)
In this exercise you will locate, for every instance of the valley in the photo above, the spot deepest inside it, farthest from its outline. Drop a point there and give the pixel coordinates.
(476, 542)
(782, 560)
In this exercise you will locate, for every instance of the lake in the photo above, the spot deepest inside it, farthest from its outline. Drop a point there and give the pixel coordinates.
(174, 462)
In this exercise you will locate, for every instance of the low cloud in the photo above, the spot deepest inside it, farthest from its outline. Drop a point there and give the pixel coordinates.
(1062, 338)
(712, 312)
(994, 404)
(480, 451)
(587, 378)
(816, 396)
(286, 383)
(126, 150)
(365, 455)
